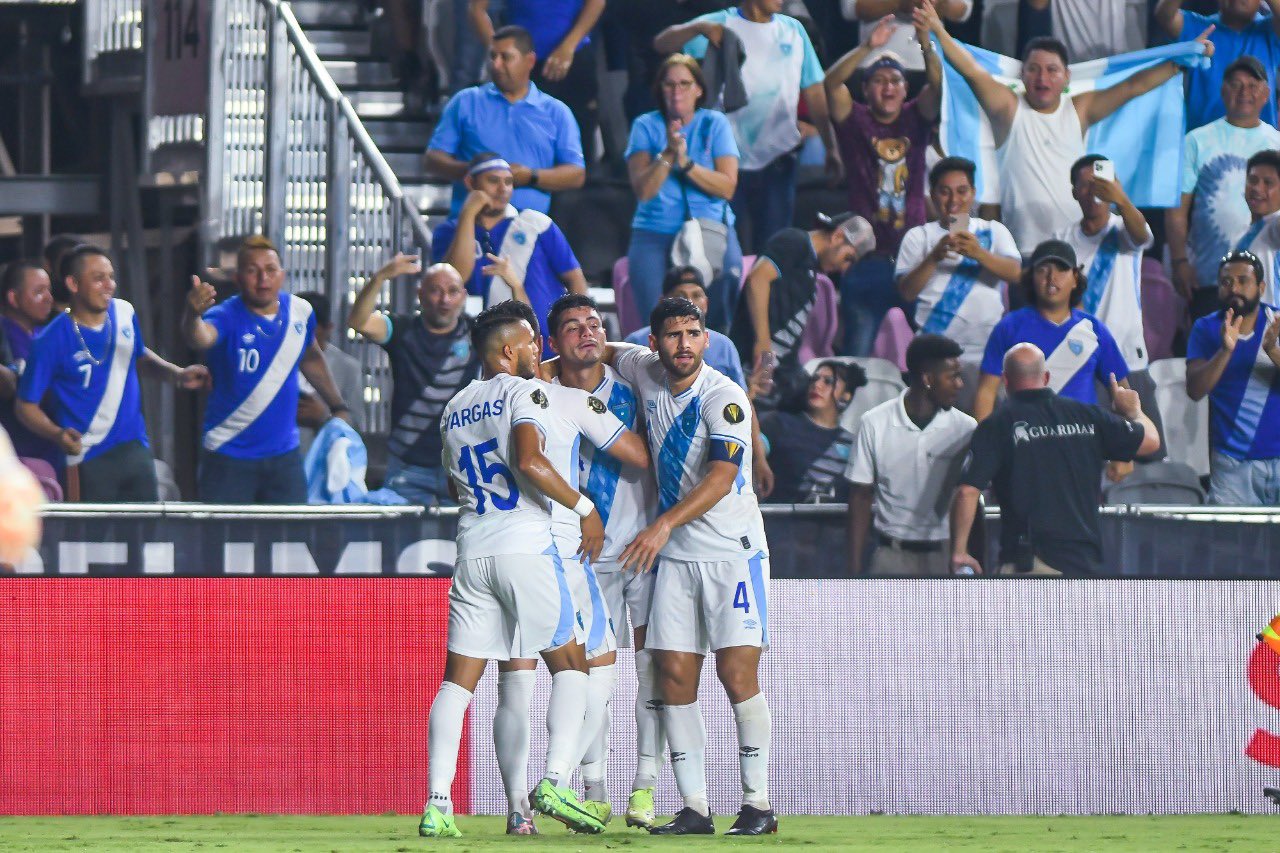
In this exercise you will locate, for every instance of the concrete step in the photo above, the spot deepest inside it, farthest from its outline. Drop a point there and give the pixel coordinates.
(351, 73)
(375, 102)
(341, 43)
(406, 164)
(400, 133)
(321, 13)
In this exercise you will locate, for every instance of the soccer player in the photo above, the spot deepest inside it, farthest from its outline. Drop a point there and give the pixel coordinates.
(510, 596)
(626, 501)
(710, 593)
(573, 414)
(256, 343)
(90, 358)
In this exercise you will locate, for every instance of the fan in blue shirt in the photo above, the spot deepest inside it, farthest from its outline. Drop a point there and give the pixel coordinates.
(255, 344)
(1233, 356)
(1079, 350)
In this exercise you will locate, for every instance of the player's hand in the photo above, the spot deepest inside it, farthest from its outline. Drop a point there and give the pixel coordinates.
(592, 537)
(521, 174)
(1117, 471)
(69, 441)
(501, 267)
(943, 248)
(1271, 336)
(640, 555)
(1231, 330)
(401, 264)
(201, 296)
(965, 560)
(882, 32)
(713, 32)
(1125, 401)
(1185, 280)
(194, 377)
(1203, 38)
(558, 63)
(312, 412)
(762, 476)
(1108, 191)
(475, 203)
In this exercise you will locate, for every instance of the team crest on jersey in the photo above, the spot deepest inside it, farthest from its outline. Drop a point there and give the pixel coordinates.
(297, 327)
(1076, 347)
(539, 397)
(520, 238)
(733, 413)
(128, 333)
(596, 405)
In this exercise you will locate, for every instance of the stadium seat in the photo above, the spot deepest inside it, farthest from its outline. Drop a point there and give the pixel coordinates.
(884, 382)
(1163, 310)
(624, 302)
(894, 337)
(819, 334)
(1186, 423)
(166, 483)
(1172, 483)
(45, 476)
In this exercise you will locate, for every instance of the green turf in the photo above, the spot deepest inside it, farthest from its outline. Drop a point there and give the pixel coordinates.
(1247, 834)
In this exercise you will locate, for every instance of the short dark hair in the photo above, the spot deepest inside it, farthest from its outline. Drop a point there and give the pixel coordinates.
(1243, 256)
(952, 164)
(1266, 157)
(59, 245)
(848, 372)
(686, 61)
(1047, 43)
(494, 319)
(73, 262)
(679, 275)
(1029, 287)
(320, 306)
(669, 308)
(927, 350)
(567, 303)
(518, 34)
(14, 273)
(1086, 160)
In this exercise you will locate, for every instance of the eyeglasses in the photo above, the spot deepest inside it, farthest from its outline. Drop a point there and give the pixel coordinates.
(682, 85)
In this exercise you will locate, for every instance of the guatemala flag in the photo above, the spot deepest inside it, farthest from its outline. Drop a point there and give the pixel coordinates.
(1143, 138)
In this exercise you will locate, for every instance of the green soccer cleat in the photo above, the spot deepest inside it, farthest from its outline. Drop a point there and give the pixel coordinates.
(562, 804)
(640, 809)
(437, 824)
(598, 809)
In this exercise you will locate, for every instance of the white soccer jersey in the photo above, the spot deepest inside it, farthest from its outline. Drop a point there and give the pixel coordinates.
(623, 495)
(573, 415)
(502, 513)
(962, 300)
(710, 420)
(1112, 263)
(1263, 239)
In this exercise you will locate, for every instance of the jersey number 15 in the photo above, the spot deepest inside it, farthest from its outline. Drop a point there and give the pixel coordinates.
(480, 470)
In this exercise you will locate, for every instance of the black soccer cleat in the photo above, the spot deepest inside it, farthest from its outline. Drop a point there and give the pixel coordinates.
(753, 821)
(686, 822)
(1272, 794)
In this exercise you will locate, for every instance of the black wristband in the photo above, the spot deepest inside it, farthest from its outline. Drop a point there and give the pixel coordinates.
(339, 409)
(533, 178)
(686, 168)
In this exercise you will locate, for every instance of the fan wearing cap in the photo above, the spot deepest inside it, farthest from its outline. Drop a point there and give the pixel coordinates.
(1233, 356)
(502, 253)
(781, 289)
(1078, 348)
(1262, 195)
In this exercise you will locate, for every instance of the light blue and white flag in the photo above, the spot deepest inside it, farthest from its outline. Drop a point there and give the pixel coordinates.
(1143, 138)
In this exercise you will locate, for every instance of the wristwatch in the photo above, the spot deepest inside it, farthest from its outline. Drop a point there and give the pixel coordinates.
(533, 178)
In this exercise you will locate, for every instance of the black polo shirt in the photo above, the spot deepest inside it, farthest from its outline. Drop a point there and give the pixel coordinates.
(1044, 455)
(791, 295)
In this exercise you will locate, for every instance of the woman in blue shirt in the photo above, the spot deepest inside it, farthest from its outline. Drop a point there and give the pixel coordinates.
(683, 162)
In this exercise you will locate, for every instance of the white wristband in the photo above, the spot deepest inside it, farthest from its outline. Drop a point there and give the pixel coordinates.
(584, 506)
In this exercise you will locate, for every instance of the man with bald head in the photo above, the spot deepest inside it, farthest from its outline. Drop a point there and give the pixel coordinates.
(1044, 454)
(431, 359)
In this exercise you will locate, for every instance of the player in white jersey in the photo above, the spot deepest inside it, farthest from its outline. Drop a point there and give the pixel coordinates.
(626, 500)
(711, 588)
(572, 415)
(509, 596)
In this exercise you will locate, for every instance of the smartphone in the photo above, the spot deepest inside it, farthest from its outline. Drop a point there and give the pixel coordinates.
(959, 223)
(1104, 169)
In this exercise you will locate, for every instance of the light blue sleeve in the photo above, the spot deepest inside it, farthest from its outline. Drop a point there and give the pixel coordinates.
(641, 140)
(448, 132)
(1190, 162)
(810, 67)
(568, 138)
(697, 46)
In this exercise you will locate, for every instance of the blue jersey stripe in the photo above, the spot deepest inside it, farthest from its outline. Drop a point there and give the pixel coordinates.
(602, 479)
(957, 290)
(1100, 270)
(564, 628)
(599, 616)
(756, 567)
(674, 452)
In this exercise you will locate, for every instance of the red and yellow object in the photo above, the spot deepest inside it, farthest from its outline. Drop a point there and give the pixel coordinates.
(1271, 635)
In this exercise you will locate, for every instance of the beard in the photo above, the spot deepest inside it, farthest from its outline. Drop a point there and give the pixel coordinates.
(672, 367)
(1241, 306)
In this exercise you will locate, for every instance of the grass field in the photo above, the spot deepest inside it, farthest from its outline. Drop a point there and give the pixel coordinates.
(1247, 834)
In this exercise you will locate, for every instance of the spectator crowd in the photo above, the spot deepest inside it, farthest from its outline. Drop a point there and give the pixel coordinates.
(1009, 324)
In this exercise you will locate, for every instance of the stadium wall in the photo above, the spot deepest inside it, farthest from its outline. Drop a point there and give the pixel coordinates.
(310, 695)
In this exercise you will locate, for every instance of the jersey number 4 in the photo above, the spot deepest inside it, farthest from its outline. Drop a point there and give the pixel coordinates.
(480, 470)
(740, 600)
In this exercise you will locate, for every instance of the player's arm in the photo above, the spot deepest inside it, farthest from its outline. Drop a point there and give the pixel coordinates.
(644, 549)
(316, 369)
(534, 465)
(198, 334)
(631, 449)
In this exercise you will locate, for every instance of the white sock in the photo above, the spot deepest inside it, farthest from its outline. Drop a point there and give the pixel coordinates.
(444, 738)
(650, 736)
(565, 714)
(601, 681)
(687, 735)
(511, 735)
(752, 717)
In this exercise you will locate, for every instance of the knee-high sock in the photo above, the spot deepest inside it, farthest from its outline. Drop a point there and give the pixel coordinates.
(511, 735)
(565, 714)
(650, 737)
(754, 721)
(444, 738)
(687, 735)
(601, 681)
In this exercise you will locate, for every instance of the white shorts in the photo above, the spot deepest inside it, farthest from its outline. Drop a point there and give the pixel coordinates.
(707, 606)
(514, 605)
(628, 595)
(593, 610)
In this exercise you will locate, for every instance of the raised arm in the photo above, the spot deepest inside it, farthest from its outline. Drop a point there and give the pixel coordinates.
(461, 254)
(815, 98)
(362, 319)
(674, 38)
(1135, 224)
(1094, 106)
(1203, 373)
(997, 101)
(1169, 16)
(929, 101)
(839, 101)
(481, 23)
(198, 334)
